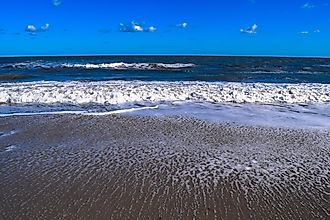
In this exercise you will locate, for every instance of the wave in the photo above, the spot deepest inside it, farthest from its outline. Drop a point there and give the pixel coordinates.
(121, 92)
(29, 65)
(137, 66)
(111, 66)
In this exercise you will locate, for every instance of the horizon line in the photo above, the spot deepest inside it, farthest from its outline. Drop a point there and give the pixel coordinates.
(163, 55)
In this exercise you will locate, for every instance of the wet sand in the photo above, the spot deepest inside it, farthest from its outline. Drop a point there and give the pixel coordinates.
(125, 167)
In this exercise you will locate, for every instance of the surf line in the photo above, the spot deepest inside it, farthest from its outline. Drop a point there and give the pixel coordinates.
(121, 111)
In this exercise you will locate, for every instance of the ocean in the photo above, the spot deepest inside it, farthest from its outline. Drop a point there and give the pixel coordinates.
(254, 90)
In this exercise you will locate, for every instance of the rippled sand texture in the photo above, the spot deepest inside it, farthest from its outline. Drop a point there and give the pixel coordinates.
(116, 167)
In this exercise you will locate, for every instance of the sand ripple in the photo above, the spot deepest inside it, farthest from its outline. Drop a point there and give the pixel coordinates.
(83, 167)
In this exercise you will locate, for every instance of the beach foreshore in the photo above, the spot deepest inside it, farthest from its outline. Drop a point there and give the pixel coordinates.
(130, 167)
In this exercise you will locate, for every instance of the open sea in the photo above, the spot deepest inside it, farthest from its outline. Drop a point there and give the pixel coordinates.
(292, 92)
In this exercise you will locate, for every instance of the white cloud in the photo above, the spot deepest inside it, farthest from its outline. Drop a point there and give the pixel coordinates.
(31, 28)
(44, 27)
(182, 25)
(151, 29)
(57, 3)
(308, 5)
(310, 32)
(135, 27)
(250, 30)
(132, 27)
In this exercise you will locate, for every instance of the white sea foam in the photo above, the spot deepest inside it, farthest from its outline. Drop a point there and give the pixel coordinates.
(114, 66)
(10, 148)
(30, 65)
(138, 66)
(6, 134)
(120, 111)
(314, 116)
(120, 92)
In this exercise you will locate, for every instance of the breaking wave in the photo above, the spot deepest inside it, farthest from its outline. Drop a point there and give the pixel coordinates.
(137, 66)
(113, 66)
(121, 92)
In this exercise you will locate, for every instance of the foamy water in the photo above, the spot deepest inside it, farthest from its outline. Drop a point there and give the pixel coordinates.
(129, 92)
(90, 113)
(114, 65)
(280, 116)
(265, 104)
(6, 134)
(136, 66)
(10, 148)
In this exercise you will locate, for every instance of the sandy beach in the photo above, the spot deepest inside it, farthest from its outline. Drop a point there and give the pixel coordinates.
(128, 167)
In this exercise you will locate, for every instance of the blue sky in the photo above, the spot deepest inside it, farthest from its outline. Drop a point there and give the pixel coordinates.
(281, 27)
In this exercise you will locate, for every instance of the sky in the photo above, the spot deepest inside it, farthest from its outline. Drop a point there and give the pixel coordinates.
(165, 27)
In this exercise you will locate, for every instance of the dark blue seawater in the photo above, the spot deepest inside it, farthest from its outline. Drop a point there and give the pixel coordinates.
(210, 69)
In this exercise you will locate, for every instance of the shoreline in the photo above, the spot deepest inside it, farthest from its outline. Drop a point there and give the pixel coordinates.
(129, 167)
